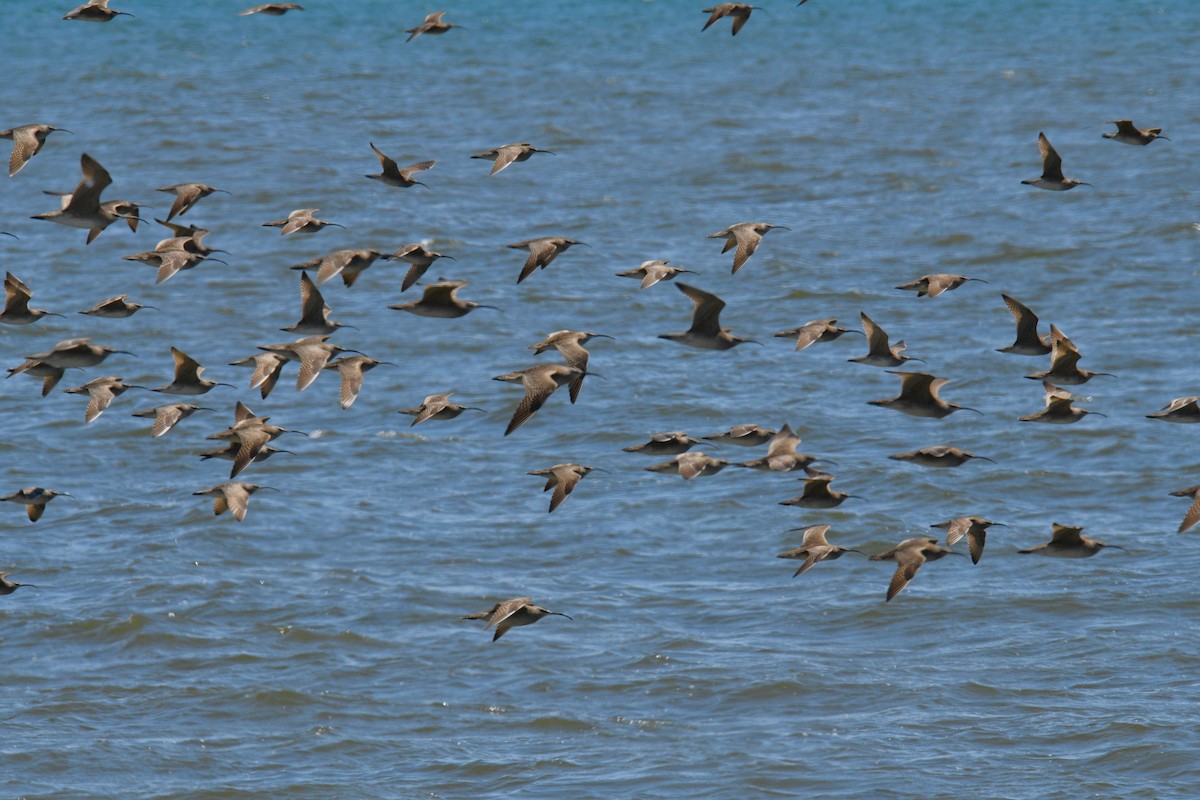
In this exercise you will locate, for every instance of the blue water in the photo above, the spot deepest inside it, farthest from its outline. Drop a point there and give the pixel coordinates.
(315, 650)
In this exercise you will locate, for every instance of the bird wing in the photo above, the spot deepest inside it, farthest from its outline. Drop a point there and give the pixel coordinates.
(706, 316)
(541, 252)
(877, 338)
(909, 560)
(413, 169)
(1191, 517)
(16, 295)
(186, 195)
(1051, 162)
(1027, 321)
(170, 262)
(352, 380)
(187, 369)
(238, 498)
(506, 609)
(96, 179)
(25, 147)
(538, 388)
(917, 386)
(815, 536)
(165, 418)
(747, 238)
(1066, 535)
(253, 441)
(99, 398)
(389, 166)
(956, 529)
(313, 359)
(504, 156)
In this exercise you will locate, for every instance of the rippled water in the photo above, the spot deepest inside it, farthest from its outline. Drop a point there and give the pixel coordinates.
(315, 649)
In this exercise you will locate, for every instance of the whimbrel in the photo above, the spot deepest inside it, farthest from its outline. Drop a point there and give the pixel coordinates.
(781, 454)
(749, 435)
(94, 11)
(272, 9)
(570, 346)
(393, 175)
(933, 285)
(815, 548)
(670, 443)
(441, 300)
(230, 452)
(1193, 513)
(1058, 410)
(880, 351)
(541, 252)
(349, 264)
(1128, 134)
(1052, 175)
(511, 614)
(27, 141)
(1029, 342)
(168, 416)
(436, 406)
(1067, 541)
(419, 260)
(706, 331)
(171, 259)
(267, 368)
(1064, 363)
(34, 498)
(114, 308)
(313, 353)
(813, 331)
(919, 396)
(72, 353)
(507, 154)
(186, 196)
(938, 456)
(745, 236)
(540, 381)
(253, 434)
(8, 587)
(651, 272)
(187, 376)
(50, 375)
(909, 556)
(82, 208)
(740, 12)
(690, 465)
(101, 392)
(232, 496)
(350, 370)
(16, 303)
(1181, 409)
(314, 313)
(562, 478)
(817, 494)
(300, 221)
(432, 25)
(974, 528)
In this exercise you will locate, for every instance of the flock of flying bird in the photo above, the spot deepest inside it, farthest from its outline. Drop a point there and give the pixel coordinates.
(248, 439)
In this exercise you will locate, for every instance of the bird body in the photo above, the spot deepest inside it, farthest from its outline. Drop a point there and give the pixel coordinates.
(187, 376)
(1029, 342)
(168, 416)
(1058, 410)
(267, 369)
(314, 312)
(1181, 409)
(690, 465)
(1064, 363)
(94, 11)
(418, 258)
(569, 345)
(350, 370)
(73, 353)
(313, 353)
(114, 308)
(187, 195)
(349, 264)
(272, 9)
(50, 375)
(1193, 513)
(300, 221)
(744, 435)
(16, 303)
(432, 25)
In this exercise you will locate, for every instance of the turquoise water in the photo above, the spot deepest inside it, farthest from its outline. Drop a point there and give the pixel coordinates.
(315, 649)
